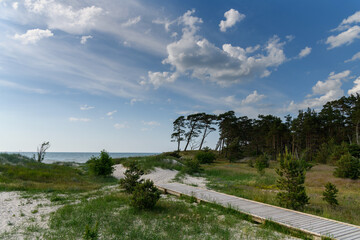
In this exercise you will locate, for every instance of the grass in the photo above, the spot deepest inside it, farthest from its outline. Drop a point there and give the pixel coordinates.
(172, 218)
(21, 173)
(241, 180)
(150, 162)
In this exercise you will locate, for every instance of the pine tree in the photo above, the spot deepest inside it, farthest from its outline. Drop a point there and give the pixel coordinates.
(291, 181)
(329, 195)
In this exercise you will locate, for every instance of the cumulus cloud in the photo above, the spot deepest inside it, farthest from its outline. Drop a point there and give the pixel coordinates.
(65, 18)
(349, 31)
(355, 57)
(15, 5)
(231, 18)
(33, 36)
(74, 119)
(304, 52)
(85, 38)
(356, 88)
(86, 107)
(323, 92)
(253, 98)
(132, 21)
(159, 78)
(195, 55)
(111, 113)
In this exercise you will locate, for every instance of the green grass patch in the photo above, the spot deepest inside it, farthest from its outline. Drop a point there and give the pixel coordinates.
(172, 218)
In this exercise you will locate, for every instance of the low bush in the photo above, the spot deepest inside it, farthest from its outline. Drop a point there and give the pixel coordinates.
(348, 167)
(174, 154)
(205, 157)
(354, 150)
(132, 178)
(329, 195)
(262, 162)
(102, 165)
(191, 166)
(91, 233)
(145, 195)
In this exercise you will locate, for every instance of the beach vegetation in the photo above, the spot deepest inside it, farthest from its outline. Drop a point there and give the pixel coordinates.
(41, 151)
(101, 165)
(132, 177)
(205, 157)
(191, 166)
(145, 195)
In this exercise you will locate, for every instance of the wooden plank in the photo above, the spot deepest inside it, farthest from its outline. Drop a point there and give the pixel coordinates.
(310, 224)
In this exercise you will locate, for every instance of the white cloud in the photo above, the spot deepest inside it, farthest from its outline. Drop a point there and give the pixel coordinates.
(34, 35)
(159, 78)
(134, 100)
(86, 107)
(85, 38)
(164, 22)
(253, 98)
(355, 57)
(232, 17)
(304, 52)
(290, 37)
(15, 5)
(121, 125)
(132, 21)
(111, 113)
(349, 32)
(356, 88)
(22, 87)
(345, 37)
(65, 18)
(198, 57)
(151, 123)
(74, 119)
(323, 92)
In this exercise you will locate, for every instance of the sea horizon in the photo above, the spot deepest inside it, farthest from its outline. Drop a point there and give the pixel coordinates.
(79, 157)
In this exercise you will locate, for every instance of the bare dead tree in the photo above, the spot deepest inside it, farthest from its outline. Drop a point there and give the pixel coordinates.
(41, 150)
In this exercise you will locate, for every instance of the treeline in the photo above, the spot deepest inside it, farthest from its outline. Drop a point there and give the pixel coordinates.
(312, 135)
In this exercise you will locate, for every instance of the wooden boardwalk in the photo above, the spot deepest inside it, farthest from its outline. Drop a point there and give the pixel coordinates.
(316, 226)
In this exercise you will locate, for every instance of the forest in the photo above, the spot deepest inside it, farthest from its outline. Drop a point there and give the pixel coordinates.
(322, 136)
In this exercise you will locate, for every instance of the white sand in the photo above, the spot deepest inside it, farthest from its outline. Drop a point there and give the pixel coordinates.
(161, 176)
(17, 212)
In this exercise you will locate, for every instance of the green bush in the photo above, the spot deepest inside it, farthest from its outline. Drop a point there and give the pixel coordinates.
(291, 182)
(348, 167)
(329, 195)
(174, 154)
(102, 165)
(338, 151)
(132, 177)
(323, 154)
(191, 166)
(354, 150)
(205, 157)
(145, 195)
(262, 162)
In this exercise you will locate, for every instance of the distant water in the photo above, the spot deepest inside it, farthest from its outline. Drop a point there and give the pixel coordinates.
(79, 157)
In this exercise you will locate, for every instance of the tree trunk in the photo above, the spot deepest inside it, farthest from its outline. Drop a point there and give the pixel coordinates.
(203, 138)
(178, 145)
(357, 132)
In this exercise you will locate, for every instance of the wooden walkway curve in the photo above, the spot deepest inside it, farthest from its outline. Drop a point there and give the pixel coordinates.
(316, 226)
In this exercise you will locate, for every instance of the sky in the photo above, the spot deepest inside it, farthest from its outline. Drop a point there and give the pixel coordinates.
(114, 74)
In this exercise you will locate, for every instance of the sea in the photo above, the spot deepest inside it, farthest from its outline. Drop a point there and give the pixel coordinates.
(79, 157)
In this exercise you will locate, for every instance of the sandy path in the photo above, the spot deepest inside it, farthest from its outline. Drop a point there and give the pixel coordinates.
(17, 212)
(161, 176)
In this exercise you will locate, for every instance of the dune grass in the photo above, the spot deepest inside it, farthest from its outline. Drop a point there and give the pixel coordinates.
(150, 162)
(241, 180)
(172, 218)
(21, 173)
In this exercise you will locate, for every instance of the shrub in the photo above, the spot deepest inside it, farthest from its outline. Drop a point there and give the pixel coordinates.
(291, 181)
(132, 177)
(145, 195)
(261, 163)
(102, 165)
(323, 154)
(348, 167)
(91, 233)
(206, 149)
(205, 157)
(329, 195)
(250, 162)
(191, 166)
(338, 151)
(174, 154)
(354, 150)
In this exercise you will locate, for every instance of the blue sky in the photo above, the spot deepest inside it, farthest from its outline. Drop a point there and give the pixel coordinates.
(92, 75)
